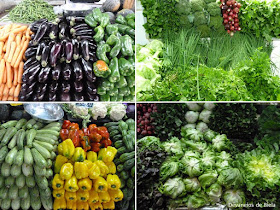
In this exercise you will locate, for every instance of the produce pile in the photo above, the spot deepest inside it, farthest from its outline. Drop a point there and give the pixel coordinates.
(202, 167)
(27, 151)
(118, 7)
(145, 120)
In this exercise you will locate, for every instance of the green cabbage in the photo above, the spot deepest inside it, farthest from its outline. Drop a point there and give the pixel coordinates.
(221, 142)
(192, 134)
(168, 169)
(209, 135)
(208, 178)
(173, 146)
(191, 166)
(197, 200)
(191, 184)
(234, 197)
(230, 178)
(208, 160)
(173, 187)
(214, 192)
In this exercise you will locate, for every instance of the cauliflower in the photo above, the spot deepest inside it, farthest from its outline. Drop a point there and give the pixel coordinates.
(216, 22)
(99, 110)
(80, 110)
(213, 9)
(204, 30)
(200, 18)
(197, 5)
(117, 111)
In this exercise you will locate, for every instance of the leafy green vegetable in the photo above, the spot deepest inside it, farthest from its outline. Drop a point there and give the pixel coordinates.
(221, 142)
(234, 197)
(173, 146)
(214, 192)
(173, 187)
(191, 184)
(230, 178)
(192, 134)
(191, 166)
(207, 178)
(168, 169)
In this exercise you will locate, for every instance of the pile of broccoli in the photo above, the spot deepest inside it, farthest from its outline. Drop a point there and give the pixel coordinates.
(203, 15)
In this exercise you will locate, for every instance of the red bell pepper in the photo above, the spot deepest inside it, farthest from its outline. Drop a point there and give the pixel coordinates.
(64, 134)
(85, 143)
(103, 132)
(74, 136)
(95, 146)
(66, 124)
(107, 142)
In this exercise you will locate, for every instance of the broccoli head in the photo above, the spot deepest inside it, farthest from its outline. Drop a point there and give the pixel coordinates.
(183, 7)
(197, 5)
(216, 22)
(184, 21)
(204, 30)
(213, 9)
(200, 18)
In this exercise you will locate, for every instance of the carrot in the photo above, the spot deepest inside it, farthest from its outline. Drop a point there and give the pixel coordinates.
(23, 39)
(4, 37)
(15, 82)
(19, 29)
(5, 46)
(12, 51)
(9, 75)
(2, 70)
(10, 39)
(15, 56)
(27, 33)
(15, 98)
(17, 90)
(20, 72)
(1, 47)
(10, 98)
(5, 98)
(1, 89)
(5, 76)
(18, 39)
(6, 91)
(12, 91)
(24, 47)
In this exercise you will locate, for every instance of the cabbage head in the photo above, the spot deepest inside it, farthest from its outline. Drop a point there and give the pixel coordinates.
(230, 178)
(197, 146)
(232, 197)
(221, 142)
(194, 107)
(192, 134)
(168, 169)
(205, 115)
(173, 146)
(191, 184)
(197, 200)
(202, 126)
(209, 135)
(209, 177)
(191, 166)
(191, 116)
(190, 125)
(214, 192)
(173, 187)
(208, 160)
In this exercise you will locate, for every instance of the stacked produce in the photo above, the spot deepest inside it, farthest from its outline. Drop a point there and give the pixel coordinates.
(230, 10)
(123, 137)
(27, 151)
(14, 39)
(115, 52)
(144, 120)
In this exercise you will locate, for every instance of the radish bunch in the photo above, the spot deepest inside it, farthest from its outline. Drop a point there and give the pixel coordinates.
(230, 10)
(144, 119)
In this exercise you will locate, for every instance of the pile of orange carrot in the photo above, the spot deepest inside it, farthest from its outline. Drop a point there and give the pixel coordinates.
(14, 39)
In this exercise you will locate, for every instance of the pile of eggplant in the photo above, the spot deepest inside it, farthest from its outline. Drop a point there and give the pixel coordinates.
(59, 62)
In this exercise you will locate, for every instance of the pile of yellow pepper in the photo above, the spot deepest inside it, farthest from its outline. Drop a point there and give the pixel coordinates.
(85, 180)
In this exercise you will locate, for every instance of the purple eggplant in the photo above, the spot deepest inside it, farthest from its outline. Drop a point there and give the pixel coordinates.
(66, 72)
(51, 96)
(92, 45)
(35, 97)
(92, 97)
(80, 27)
(42, 88)
(40, 33)
(78, 97)
(55, 53)
(30, 52)
(92, 57)
(60, 19)
(78, 86)
(23, 88)
(76, 48)
(30, 87)
(56, 72)
(74, 20)
(69, 51)
(21, 97)
(87, 66)
(85, 49)
(84, 32)
(40, 48)
(28, 95)
(44, 74)
(45, 56)
(30, 74)
(53, 31)
(84, 37)
(91, 88)
(63, 54)
(65, 97)
(30, 62)
(78, 72)
(36, 25)
(63, 30)
(65, 87)
(53, 87)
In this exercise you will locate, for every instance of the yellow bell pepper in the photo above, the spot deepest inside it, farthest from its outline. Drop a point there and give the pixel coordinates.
(59, 161)
(104, 197)
(96, 206)
(59, 193)
(93, 197)
(88, 163)
(59, 204)
(85, 184)
(66, 171)
(57, 183)
(81, 170)
(71, 185)
(70, 196)
(79, 155)
(113, 182)
(107, 154)
(116, 195)
(112, 167)
(82, 195)
(82, 205)
(104, 170)
(92, 156)
(71, 205)
(94, 171)
(109, 205)
(66, 148)
(100, 184)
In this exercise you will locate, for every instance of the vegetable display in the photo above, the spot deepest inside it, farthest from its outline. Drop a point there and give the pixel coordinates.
(145, 120)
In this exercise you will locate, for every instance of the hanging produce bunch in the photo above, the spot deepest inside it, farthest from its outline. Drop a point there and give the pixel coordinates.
(77, 58)
(27, 151)
(122, 134)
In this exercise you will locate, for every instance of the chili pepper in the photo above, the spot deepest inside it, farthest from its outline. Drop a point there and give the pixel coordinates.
(95, 137)
(64, 134)
(66, 124)
(95, 146)
(103, 132)
(74, 136)
(92, 128)
(106, 143)
(85, 142)
(73, 126)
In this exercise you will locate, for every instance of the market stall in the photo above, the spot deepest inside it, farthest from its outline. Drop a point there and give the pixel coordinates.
(82, 51)
(208, 156)
(67, 156)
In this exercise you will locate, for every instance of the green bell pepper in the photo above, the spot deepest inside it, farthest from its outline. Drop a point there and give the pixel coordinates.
(131, 124)
(132, 60)
(122, 82)
(101, 69)
(121, 20)
(130, 80)
(127, 46)
(97, 14)
(126, 68)
(115, 74)
(122, 28)
(131, 23)
(122, 126)
(111, 29)
(101, 90)
(124, 91)
(130, 17)
(101, 51)
(89, 19)
(130, 32)
(114, 40)
(105, 20)
(113, 92)
(105, 97)
(99, 34)
(108, 86)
